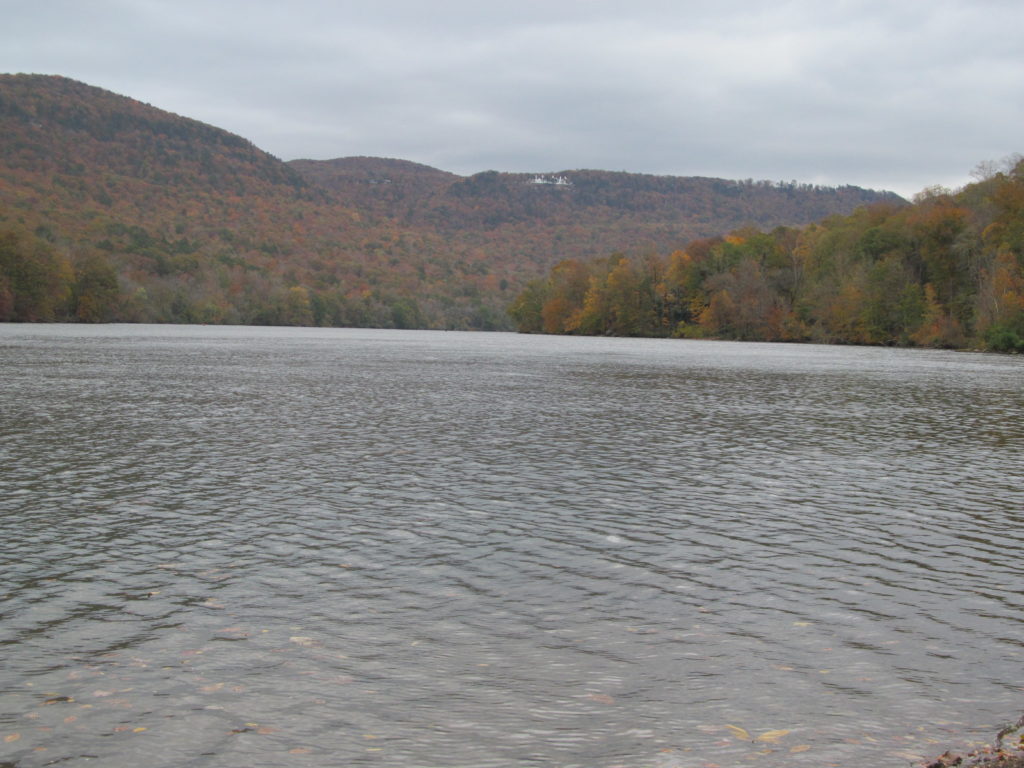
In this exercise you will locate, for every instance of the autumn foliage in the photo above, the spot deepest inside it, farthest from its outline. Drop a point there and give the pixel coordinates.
(115, 210)
(947, 271)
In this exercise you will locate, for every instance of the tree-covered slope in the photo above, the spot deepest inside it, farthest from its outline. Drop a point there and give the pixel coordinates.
(525, 223)
(186, 222)
(197, 224)
(947, 271)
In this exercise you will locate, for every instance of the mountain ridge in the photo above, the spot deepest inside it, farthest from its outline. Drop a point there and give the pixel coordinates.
(200, 225)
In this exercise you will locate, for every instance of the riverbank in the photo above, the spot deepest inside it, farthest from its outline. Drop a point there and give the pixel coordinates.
(1007, 751)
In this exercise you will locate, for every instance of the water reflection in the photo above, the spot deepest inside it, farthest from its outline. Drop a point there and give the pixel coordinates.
(270, 546)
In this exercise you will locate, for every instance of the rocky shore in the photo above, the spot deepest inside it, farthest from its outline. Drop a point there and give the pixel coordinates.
(1006, 752)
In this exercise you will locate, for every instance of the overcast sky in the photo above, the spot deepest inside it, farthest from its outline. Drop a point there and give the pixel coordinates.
(896, 94)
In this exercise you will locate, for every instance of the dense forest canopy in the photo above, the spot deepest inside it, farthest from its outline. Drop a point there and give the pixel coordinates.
(113, 210)
(947, 271)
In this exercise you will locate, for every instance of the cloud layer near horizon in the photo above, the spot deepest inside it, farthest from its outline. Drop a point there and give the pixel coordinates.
(894, 95)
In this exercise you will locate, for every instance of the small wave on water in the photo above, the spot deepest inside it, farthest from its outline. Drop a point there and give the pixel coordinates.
(261, 547)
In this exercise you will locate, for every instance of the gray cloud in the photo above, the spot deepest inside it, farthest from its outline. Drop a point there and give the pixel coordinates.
(896, 95)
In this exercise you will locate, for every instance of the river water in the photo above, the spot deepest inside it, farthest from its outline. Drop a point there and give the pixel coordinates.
(234, 547)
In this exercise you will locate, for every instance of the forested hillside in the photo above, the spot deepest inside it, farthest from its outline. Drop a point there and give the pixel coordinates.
(111, 209)
(522, 224)
(187, 223)
(491, 201)
(947, 271)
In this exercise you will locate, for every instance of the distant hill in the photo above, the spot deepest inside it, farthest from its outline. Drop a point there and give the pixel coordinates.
(59, 130)
(701, 206)
(198, 225)
(525, 223)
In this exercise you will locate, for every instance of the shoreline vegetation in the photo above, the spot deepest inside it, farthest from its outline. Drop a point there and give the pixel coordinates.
(115, 211)
(944, 272)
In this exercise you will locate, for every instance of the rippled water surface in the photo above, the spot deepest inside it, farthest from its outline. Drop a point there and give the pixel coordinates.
(270, 547)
